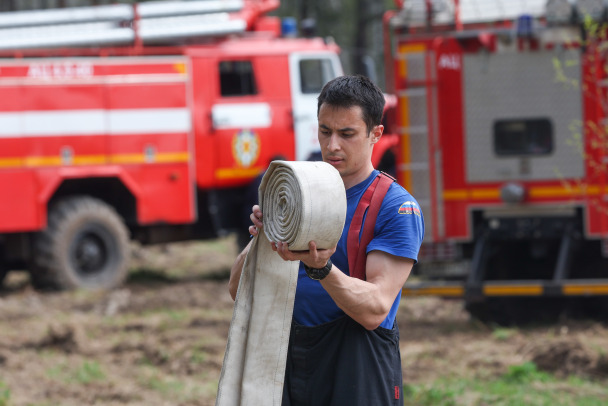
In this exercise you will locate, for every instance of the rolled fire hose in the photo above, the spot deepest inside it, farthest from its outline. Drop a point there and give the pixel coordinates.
(300, 202)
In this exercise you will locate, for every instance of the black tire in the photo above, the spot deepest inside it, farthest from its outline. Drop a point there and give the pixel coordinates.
(85, 245)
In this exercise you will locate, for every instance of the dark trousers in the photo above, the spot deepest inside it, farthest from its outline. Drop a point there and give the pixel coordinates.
(342, 364)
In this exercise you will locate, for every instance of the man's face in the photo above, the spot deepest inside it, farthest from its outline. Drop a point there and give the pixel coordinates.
(345, 142)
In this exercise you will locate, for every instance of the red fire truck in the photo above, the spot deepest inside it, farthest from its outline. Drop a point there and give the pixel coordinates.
(143, 122)
(502, 120)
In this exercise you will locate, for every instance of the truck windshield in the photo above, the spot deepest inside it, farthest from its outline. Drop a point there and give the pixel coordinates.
(314, 73)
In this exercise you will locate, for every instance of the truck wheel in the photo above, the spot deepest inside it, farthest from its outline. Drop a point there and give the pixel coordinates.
(85, 245)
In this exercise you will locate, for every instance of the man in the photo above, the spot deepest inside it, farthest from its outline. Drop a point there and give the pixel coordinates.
(344, 342)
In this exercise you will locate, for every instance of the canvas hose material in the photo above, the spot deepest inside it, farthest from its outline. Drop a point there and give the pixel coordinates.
(300, 202)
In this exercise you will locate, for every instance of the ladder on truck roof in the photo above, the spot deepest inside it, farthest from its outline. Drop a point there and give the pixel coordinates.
(154, 22)
(415, 12)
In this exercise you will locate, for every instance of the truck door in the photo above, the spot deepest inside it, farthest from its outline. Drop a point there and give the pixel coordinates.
(308, 73)
(250, 122)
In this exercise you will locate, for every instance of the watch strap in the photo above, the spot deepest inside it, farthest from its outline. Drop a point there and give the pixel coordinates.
(318, 274)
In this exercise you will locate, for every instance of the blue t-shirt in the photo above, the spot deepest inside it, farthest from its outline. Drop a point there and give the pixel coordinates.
(398, 231)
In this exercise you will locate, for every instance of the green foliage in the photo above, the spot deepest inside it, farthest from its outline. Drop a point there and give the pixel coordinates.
(560, 73)
(525, 373)
(5, 394)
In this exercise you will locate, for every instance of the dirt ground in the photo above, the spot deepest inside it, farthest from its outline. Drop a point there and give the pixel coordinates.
(160, 339)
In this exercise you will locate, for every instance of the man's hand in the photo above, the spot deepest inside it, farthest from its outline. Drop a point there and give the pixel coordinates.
(256, 219)
(314, 257)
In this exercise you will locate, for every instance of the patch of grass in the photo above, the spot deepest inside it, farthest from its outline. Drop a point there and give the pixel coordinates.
(155, 358)
(521, 385)
(153, 379)
(169, 387)
(165, 386)
(56, 372)
(525, 373)
(89, 372)
(176, 315)
(86, 373)
(442, 394)
(503, 334)
(5, 394)
(172, 319)
(206, 389)
(600, 350)
(198, 357)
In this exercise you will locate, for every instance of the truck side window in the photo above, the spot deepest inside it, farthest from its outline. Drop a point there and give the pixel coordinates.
(237, 79)
(314, 73)
(523, 137)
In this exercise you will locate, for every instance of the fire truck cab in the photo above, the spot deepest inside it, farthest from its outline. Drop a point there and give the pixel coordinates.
(502, 124)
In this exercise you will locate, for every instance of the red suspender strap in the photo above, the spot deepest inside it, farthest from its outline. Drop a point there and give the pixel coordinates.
(372, 199)
(352, 241)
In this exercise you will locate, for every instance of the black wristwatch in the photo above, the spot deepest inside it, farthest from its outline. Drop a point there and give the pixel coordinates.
(318, 273)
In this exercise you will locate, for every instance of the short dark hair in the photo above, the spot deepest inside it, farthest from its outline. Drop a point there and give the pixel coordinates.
(348, 91)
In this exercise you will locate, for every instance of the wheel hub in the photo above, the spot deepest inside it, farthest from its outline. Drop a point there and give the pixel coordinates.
(90, 254)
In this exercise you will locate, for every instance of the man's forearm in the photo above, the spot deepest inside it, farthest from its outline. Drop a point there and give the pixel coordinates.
(360, 300)
(369, 302)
